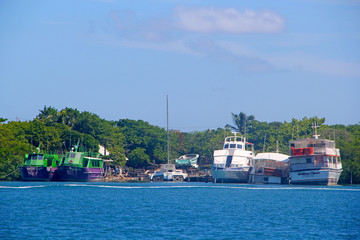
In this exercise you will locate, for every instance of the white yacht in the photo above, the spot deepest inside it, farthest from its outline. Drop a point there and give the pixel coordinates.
(314, 161)
(233, 163)
(270, 167)
(168, 172)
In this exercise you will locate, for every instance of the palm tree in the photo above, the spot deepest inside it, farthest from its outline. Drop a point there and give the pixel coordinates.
(240, 120)
(49, 114)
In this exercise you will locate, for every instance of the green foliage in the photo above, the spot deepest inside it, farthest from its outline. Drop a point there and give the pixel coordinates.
(138, 144)
(242, 122)
(140, 134)
(12, 150)
(138, 158)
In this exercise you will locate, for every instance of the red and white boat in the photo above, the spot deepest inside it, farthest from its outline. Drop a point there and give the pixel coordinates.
(314, 161)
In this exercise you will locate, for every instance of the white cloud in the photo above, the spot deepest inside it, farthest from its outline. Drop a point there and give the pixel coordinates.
(230, 20)
(161, 33)
(207, 47)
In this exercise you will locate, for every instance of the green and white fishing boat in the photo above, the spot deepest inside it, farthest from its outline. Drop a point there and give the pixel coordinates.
(39, 166)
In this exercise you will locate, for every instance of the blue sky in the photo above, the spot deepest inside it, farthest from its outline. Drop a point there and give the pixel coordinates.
(119, 59)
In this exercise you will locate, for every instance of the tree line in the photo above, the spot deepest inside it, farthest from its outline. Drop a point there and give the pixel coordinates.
(138, 144)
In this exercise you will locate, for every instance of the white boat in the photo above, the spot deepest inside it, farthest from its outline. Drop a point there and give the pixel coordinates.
(270, 167)
(314, 161)
(188, 160)
(233, 163)
(168, 172)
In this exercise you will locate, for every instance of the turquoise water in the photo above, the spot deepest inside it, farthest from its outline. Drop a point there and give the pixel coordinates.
(53, 210)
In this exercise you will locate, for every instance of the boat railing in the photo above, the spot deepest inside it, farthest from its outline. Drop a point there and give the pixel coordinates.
(312, 151)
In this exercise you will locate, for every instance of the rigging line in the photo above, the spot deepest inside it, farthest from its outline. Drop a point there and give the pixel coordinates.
(9, 174)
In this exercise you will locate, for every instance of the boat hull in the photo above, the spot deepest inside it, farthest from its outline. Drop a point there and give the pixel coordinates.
(158, 177)
(315, 177)
(79, 174)
(266, 179)
(185, 163)
(230, 175)
(32, 173)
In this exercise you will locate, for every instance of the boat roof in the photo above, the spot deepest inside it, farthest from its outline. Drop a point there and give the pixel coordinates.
(312, 140)
(186, 156)
(236, 139)
(272, 156)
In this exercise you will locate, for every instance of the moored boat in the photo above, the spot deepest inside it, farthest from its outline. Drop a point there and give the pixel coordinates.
(39, 166)
(233, 163)
(270, 168)
(80, 167)
(168, 172)
(188, 160)
(314, 161)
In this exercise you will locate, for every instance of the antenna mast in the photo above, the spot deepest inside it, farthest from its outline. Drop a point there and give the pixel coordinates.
(264, 143)
(167, 127)
(315, 126)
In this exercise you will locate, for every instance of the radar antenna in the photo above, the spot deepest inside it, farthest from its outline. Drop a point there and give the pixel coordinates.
(315, 126)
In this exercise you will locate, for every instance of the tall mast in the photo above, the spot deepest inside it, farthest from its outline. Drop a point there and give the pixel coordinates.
(167, 127)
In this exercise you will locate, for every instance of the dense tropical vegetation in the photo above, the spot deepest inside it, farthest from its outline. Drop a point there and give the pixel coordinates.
(137, 144)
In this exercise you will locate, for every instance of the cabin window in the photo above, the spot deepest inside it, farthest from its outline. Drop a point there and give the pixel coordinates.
(334, 159)
(233, 145)
(226, 145)
(308, 160)
(72, 155)
(49, 162)
(239, 146)
(86, 162)
(78, 155)
(95, 163)
(266, 179)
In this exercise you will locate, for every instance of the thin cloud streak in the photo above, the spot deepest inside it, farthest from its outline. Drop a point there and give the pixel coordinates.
(230, 20)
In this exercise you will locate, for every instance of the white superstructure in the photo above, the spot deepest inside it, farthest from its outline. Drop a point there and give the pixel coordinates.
(314, 161)
(233, 163)
(270, 167)
(168, 172)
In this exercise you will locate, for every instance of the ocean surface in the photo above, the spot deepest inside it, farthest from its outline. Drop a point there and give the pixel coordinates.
(32, 210)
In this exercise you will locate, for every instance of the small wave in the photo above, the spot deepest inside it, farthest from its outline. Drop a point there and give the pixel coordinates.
(219, 187)
(22, 187)
(132, 187)
(247, 187)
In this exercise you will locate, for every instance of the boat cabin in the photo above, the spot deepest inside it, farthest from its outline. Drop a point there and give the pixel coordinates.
(314, 153)
(41, 160)
(235, 142)
(80, 159)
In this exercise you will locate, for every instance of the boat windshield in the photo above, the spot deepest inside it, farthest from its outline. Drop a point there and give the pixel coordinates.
(233, 146)
(74, 155)
(36, 156)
